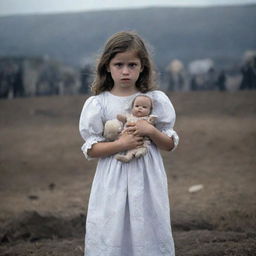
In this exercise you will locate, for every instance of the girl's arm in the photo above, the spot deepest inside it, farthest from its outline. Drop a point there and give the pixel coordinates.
(143, 128)
(161, 140)
(125, 142)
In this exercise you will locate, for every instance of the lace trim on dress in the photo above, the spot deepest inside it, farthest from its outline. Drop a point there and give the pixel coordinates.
(89, 143)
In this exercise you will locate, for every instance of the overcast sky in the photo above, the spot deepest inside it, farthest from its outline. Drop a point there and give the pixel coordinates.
(8, 7)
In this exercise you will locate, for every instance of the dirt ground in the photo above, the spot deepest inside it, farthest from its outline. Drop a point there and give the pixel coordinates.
(45, 180)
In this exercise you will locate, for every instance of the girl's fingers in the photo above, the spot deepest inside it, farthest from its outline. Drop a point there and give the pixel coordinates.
(130, 129)
(139, 139)
(135, 133)
(130, 124)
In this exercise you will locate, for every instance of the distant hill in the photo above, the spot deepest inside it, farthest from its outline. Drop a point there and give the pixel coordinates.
(222, 33)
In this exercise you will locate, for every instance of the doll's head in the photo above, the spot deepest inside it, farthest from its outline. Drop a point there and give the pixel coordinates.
(142, 106)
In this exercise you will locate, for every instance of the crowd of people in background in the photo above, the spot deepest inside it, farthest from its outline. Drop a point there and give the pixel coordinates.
(203, 75)
(21, 77)
(198, 82)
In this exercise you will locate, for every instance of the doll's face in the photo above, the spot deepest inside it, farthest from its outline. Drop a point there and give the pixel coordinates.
(141, 106)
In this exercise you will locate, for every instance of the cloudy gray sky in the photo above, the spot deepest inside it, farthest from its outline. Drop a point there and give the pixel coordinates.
(9, 7)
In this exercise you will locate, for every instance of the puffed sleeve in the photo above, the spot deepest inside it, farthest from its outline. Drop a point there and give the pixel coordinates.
(91, 124)
(164, 110)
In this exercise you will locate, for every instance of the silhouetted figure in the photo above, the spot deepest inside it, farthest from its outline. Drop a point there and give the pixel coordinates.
(210, 79)
(170, 82)
(176, 75)
(18, 88)
(4, 86)
(193, 84)
(48, 81)
(249, 75)
(221, 81)
(11, 80)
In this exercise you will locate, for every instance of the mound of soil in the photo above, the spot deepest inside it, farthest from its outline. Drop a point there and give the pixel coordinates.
(31, 227)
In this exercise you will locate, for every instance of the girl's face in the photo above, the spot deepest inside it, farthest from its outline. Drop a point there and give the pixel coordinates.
(125, 69)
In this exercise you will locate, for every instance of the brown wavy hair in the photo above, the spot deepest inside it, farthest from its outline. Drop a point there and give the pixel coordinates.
(121, 42)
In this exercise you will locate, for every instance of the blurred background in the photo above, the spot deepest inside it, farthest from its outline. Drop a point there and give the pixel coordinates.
(205, 55)
(50, 47)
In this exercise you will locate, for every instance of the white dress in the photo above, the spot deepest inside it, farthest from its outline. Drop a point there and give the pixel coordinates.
(128, 211)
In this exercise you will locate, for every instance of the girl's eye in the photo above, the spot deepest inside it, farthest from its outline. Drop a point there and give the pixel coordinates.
(118, 64)
(132, 65)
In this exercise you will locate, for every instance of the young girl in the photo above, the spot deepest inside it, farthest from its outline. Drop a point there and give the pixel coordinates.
(128, 211)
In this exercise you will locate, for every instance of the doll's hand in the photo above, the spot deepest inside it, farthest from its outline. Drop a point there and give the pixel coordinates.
(130, 141)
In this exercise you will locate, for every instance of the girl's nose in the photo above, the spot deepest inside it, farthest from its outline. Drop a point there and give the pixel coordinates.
(125, 70)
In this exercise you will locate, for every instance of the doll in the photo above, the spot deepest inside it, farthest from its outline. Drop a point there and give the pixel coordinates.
(141, 109)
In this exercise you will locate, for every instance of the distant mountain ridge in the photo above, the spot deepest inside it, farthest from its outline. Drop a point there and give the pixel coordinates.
(221, 33)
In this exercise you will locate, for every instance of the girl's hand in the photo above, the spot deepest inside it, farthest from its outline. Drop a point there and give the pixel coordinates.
(130, 128)
(140, 128)
(129, 141)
